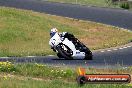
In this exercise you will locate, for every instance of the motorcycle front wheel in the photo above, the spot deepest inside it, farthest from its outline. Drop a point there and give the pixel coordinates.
(64, 51)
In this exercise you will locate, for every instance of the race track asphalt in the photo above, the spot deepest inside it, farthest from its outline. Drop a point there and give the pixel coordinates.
(113, 58)
(115, 17)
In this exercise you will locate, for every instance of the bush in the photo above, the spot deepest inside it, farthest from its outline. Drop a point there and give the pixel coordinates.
(125, 5)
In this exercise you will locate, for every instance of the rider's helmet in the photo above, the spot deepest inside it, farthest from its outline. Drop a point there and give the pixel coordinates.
(53, 31)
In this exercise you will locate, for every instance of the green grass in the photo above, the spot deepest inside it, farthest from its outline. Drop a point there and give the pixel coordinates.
(29, 83)
(40, 70)
(43, 71)
(100, 3)
(37, 70)
(97, 3)
(31, 75)
(24, 33)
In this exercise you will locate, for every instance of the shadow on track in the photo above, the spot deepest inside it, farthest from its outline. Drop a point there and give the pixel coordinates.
(70, 59)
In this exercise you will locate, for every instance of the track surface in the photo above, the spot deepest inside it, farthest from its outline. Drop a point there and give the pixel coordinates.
(114, 17)
(100, 59)
(121, 18)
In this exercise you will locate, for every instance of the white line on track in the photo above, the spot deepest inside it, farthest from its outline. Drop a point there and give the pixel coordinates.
(50, 55)
(102, 51)
(109, 50)
(4, 57)
(129, 46)
(124, 47)
(120, 48)
(31, 56)
(115, 49)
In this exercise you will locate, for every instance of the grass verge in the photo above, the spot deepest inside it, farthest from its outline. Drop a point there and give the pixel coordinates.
(29, 83)
(42, 76)
(24, 33)
(99, 3)
(43, 71)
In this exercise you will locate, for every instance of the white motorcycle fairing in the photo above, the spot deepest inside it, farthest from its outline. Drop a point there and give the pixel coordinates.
(76, 53)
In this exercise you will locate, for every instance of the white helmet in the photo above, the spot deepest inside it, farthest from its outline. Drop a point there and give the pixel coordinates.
(53, 31)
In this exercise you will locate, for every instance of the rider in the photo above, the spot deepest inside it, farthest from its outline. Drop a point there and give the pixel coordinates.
(59, 37)
(53, 31)
(62, 35)
(55, 38)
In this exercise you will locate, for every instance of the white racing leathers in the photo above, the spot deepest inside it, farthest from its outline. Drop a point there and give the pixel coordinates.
(55, 40)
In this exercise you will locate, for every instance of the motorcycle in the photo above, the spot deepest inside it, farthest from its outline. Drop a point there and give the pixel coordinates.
(69, 47)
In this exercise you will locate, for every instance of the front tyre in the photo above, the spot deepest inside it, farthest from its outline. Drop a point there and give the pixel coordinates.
(64, 51)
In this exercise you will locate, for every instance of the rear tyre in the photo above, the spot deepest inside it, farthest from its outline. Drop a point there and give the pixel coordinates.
(88, 57)
(59, 55)
(65, 53)
(88, 53)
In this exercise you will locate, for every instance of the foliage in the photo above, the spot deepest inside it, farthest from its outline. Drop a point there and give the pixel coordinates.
(29, 83)
(41, 70)
(7, 67)
(125, 5)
